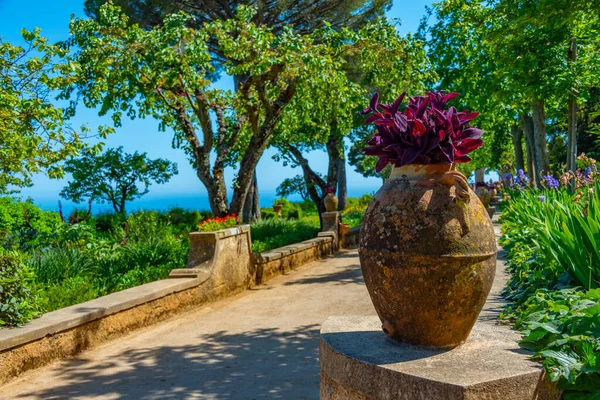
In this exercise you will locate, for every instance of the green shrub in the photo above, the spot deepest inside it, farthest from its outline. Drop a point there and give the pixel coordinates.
(13, 216)
(267, 213)
(561, 326)
(282, 201)
(353, 217)
(289, 210)
(53, 265)
(273, 233)
(292, 212)
(365, 199)
(22, 223)
(552, 251)
(18, 294)
(71, 291)
(307, 207)
(184, 221)
(109, 222)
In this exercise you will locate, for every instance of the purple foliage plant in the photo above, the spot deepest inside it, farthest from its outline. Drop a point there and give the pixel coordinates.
(426, 132)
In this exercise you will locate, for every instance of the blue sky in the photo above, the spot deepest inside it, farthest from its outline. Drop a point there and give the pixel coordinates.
(142, 135)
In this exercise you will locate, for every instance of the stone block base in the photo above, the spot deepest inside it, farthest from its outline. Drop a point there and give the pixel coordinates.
(359, 362)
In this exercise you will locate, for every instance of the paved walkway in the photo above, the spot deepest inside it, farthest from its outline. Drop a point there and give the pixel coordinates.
(261, 344)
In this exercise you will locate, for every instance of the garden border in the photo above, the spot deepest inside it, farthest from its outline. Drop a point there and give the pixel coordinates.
(220, 264)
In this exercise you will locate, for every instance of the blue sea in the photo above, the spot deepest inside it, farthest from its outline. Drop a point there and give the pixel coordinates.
(158, 202)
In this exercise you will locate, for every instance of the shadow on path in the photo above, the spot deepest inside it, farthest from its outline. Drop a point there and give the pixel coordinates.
(346, 276)
(264, 363)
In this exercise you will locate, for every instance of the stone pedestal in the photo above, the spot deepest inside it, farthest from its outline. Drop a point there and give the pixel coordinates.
(359, 362)
(331, 221)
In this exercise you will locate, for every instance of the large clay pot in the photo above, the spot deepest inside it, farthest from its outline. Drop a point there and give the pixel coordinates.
(331, 202)
(484, 196)
(343, 229)
(493, 193)
(277, 208)
(428, 255)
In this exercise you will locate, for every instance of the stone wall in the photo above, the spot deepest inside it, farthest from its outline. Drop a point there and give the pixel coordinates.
(220, 264)
(350, 240)
(283, 259)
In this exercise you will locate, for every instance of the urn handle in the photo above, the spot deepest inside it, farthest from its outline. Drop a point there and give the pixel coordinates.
(461, 194)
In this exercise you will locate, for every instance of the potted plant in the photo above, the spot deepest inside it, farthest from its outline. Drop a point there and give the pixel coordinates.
(427, 247)
(331, 201)
(493, 189)
(482, 191)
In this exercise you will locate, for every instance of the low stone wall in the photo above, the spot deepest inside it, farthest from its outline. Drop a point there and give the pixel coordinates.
(283, 259)
(350, 239)
(220, 264)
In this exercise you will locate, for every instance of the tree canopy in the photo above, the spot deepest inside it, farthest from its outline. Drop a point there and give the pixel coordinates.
(35, 134)
(514, 61)
(302, 15)
(114, 177)
(322, 116)
(165, 72)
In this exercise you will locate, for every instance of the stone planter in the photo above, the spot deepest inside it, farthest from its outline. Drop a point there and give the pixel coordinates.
(484, 196)
(277, 208)
(428, 255)
(331, 202)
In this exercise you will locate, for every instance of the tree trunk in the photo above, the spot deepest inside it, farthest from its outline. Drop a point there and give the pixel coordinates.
(527, 126)
(217, 192)
(572, 117)
(542, 162)
(315, 185)
(342, 187)
(333, 152)
(480, 175)
(256, 148)
(517, 139)
(251, 211)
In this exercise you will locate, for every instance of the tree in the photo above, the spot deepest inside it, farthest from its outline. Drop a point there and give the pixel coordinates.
(291, 186)
(517, 61)
(322, 116)
(165, 73)
(34, 133)
(114, 177)
(303, 16)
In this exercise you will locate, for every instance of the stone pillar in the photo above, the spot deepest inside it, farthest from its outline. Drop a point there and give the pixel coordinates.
(359, 362)
(331, 220)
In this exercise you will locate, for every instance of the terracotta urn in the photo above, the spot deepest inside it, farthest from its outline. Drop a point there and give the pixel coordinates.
(331, 202)
(493, 193)
(484, 195)
(428, 255)
(343, 229)
(277, 208)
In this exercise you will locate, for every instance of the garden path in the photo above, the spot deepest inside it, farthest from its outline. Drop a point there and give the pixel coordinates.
(263, 343)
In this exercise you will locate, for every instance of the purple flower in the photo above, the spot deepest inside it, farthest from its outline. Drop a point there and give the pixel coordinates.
(550, 182)
(521, 179)
(542, 198)
(588, 171)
